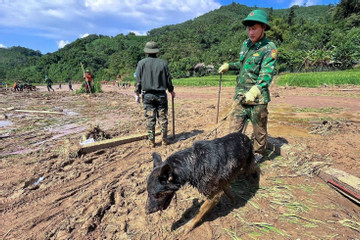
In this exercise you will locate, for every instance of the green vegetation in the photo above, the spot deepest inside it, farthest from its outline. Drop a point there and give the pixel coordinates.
(95, 87)
(319, 110)
(314, 38)
(314, 79)
(212, 80)
(351, 224)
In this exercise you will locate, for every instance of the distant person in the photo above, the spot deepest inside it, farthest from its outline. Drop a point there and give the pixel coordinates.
(21, 87)
(153, 79)
(257, 66)
(60, 85)
(70, 85)
(49, 83)
(16, 87)
(88, 81)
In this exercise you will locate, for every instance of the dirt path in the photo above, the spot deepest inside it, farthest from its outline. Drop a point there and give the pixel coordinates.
(47, 192)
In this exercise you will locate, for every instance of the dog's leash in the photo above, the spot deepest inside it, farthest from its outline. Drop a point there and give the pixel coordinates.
(222, 121)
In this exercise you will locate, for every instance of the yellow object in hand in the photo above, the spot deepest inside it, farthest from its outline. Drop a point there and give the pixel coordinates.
(223, 68)
(252, 94)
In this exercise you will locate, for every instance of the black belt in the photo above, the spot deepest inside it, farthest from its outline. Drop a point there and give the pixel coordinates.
(155, 91)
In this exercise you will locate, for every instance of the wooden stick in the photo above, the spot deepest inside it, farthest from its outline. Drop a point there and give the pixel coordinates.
(34, 111)
(218, 104)
(8, 109)
(344, 90)
(173, 117)
(95, 146)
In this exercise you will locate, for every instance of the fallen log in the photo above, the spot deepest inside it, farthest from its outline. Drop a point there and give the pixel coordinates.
(34, 111)
(343, 182)
(95, 146)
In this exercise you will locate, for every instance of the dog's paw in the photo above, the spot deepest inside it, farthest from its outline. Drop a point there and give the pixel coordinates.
(185, 229)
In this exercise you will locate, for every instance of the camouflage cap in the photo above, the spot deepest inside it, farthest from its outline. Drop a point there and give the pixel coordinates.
(151, 47)
(257, 15)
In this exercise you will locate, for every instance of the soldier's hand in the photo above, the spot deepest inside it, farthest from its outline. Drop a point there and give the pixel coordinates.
(173, 94)
(251, 95)
(223, 68)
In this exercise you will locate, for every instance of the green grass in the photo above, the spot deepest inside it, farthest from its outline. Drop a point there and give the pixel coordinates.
(315, 79)
(319, 110)
(213, 80)
(312, 79)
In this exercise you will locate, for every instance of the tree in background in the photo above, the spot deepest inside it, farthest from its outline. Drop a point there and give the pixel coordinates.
(211, 39)
(346, 8)
(291, 16)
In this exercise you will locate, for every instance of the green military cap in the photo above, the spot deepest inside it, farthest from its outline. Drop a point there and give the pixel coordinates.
(257, 16)
(151, 47)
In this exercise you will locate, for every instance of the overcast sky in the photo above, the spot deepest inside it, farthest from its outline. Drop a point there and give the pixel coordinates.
(49, 25)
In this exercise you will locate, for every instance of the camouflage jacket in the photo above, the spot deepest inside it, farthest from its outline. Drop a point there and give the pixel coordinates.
(48, 81)
(152, 74)
(257, 66)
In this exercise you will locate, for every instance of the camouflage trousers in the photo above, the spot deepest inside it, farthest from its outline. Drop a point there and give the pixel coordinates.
(156, 107)
(258, 115)
(49, 87)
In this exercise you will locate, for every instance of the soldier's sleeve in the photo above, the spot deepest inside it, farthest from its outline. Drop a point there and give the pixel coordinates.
(267, 69)
(234, 65)
(138, 81)
(237, 65)
(170, 86)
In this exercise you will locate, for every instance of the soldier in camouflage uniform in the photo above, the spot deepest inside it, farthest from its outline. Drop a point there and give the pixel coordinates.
(153, 79)
(49, 82)
(257, 66)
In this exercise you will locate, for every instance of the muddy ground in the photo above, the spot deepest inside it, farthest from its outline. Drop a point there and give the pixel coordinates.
(48, 192)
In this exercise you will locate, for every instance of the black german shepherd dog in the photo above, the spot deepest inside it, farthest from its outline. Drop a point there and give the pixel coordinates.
(209, 166)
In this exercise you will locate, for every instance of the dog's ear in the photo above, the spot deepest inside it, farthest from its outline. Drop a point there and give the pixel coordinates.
(166, 176)
(166, 171)
(156, 159)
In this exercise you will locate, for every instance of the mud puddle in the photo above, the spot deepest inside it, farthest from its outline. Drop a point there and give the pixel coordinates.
(5, 123)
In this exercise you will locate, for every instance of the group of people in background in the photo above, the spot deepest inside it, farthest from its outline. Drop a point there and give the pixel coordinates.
(88, 83)
(21, 87)
(49, 83)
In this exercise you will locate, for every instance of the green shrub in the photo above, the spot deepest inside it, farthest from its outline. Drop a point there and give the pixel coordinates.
(95, 88)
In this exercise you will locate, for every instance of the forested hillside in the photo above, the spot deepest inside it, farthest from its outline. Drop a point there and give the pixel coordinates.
(310, 38)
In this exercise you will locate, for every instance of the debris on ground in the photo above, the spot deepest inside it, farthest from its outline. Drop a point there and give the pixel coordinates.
(97, 134)
(327, 127)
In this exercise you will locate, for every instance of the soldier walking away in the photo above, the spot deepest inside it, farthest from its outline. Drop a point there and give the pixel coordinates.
(153, 79)
(49, 83)
(70, 84)
(257, 65)
(88, 81)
